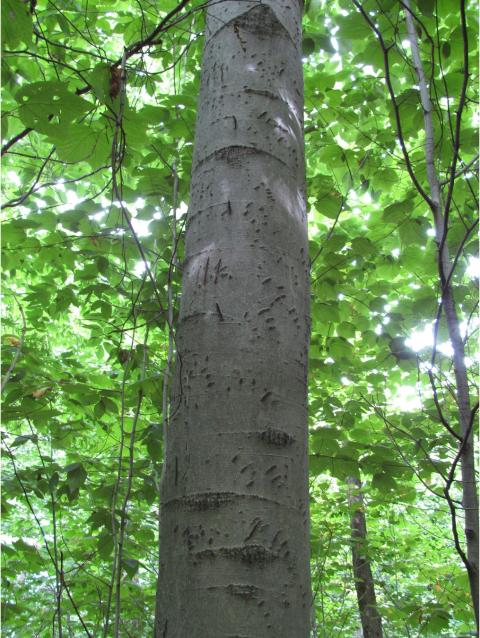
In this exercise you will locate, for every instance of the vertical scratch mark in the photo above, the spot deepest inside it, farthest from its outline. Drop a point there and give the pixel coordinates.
(219, 312)
(252, 531)
(206, 271)
(217, 270)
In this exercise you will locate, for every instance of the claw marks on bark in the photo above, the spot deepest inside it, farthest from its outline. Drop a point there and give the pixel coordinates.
(228, 209)
(236, 28)
(279, 438)
(256, 524)
(219, 313)
(220, 270)
(247, 592)
(252, 554)
(206, 271)
(202, 501)
(228, 117)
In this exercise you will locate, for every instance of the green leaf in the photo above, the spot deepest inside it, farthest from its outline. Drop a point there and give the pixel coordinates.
(16, 23)
(24, 438)
(427, 7)
(330, 205)
(346, 330)
(363, 246)
(76, 476)
(397, 212)
(79, 142)
(130, 565)
(308, 45)
(384, 482)
(99, 80)
(105, 545)
(438, 621)
(351, 28)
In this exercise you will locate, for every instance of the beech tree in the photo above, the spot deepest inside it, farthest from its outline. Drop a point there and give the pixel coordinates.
(234, 555)
(152, 213)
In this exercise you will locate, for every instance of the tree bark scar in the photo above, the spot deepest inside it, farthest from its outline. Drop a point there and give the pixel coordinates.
(206, 271)
(236, 154)
(236, 28)
(219, 312)
(261, 22)
(253, 530)
(277, 437)
(247, 592)
(217, 270)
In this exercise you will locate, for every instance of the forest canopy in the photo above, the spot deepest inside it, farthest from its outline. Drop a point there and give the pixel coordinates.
(98, 118)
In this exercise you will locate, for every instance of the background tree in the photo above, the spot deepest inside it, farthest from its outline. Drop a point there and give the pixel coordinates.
(361, 563)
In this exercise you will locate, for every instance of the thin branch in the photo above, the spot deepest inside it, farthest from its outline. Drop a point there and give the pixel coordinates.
(446, 491)
(15, 139)
(123, 511)
(393, 98)
(19, 346)
(138, 46)
(458, 122)
(463, 170)
(70, 598)
(52, 558)
(19, 200)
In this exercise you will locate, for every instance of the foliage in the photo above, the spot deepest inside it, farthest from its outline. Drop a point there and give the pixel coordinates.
(95, 196)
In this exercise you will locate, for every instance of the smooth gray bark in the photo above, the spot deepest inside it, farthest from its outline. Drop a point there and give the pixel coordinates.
(234, 557)
(362, 571)
(465, 416)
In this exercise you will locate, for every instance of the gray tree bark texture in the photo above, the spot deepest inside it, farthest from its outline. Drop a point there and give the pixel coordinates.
(362, 571)
(234, 558)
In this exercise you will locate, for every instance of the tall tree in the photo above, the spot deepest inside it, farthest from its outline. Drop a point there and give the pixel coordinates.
(362, 570)
(440, 204)
(234, 504)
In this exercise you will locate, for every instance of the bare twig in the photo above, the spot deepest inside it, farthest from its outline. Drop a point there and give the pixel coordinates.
(19, 347)
(123, 511)
(19, 200)
(395, 106)
(15, 139)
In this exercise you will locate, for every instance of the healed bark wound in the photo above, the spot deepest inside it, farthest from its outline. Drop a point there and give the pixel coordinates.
(234, 520)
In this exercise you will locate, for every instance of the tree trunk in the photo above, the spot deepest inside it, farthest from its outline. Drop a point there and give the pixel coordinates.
(465, 416)
(364, 583)
(234, 538)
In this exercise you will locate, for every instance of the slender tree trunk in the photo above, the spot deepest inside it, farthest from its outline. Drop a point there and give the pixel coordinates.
(465, 416)
(234, 539)
(362, 571)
